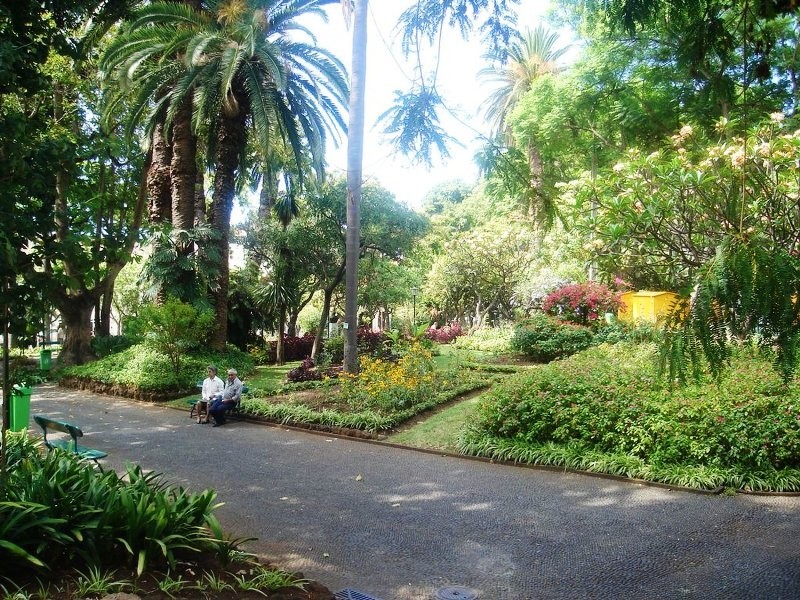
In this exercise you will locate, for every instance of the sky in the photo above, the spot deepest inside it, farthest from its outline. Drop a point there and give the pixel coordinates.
(387, 71)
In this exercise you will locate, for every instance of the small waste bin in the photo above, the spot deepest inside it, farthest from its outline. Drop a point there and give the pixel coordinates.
(20, 408)
(45, 359)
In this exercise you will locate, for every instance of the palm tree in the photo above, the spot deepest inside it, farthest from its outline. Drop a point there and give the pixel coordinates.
(527, 58)
(355, 159)
(249, 76)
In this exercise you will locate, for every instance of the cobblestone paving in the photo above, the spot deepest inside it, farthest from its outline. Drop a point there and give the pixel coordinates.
(400, 524)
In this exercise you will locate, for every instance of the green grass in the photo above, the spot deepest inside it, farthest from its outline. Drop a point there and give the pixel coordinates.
(439, 431)
(270, 377)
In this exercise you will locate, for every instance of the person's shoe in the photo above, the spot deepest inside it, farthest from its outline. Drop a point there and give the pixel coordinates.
(216, 424)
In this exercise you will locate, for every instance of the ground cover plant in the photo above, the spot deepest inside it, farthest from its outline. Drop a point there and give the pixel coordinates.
(605, 410)
(68, 531)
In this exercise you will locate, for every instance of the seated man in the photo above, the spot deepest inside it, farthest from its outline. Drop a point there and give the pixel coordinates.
(212, 388)
(230, 398)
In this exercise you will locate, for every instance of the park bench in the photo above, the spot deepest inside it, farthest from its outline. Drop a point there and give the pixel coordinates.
(70, 445)
(232, 411)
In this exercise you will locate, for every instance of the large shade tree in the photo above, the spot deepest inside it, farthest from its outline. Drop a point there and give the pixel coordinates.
(30, 33)
(740, 58)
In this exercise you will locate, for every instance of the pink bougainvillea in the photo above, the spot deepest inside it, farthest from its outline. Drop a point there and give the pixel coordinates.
(581, 303)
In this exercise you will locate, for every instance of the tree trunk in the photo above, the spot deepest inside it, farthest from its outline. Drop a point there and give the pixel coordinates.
(158, 177)
(323, 323)
(355, 158)
(184, 177)
(291, 324)
(76, 317)
(199, 199)
(183, 168)
(230, 141)
(104, 323)
(280, 356)
(269, 192)
(536, 166)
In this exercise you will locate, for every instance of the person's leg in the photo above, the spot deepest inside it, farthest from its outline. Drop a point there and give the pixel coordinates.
(218, 411)
(202, 406)
(214, 411)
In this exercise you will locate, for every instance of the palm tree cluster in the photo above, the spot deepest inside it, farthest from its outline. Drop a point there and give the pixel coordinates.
(236, 89)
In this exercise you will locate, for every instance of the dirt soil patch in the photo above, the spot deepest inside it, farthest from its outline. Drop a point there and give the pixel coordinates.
(195, 575)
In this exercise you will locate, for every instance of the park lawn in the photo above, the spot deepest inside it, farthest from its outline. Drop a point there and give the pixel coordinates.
(438, 431)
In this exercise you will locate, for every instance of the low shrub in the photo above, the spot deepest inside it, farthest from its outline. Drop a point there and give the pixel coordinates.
(56, 509)
(620, 331)
(542, 338)
(103, 345)
(609, 400)
(391, 385)
(294, 348)
(305, 372)
(143, 367)
(308, 370)
(334, 349)
(70, 531)
(175, 328)
(496, 340)
(369, 343)
(446, 334)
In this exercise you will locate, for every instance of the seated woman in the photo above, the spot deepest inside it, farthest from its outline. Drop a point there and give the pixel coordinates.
(212, 388)
(230, 398)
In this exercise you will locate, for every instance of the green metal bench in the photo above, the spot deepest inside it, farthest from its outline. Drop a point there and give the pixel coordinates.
(234, 410)
(71, 445)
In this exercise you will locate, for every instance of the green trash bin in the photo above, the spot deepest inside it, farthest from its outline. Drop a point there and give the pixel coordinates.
(20, 408)
(45, 359)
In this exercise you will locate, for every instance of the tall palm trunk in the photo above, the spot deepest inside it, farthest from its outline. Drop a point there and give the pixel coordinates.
(355, 159)
(230, 142)
(184, 176)
(158, 176)
(183, 167)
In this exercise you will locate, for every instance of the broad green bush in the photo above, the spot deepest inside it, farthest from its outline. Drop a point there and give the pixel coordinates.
(609, 400)
(620, 331)
(103, 345)
(542, 338)
(145, 368)
(174, 328)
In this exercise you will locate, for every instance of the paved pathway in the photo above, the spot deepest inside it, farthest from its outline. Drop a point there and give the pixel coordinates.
(400, 524)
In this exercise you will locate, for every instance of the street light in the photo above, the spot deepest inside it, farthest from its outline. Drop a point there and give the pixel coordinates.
(414, 292)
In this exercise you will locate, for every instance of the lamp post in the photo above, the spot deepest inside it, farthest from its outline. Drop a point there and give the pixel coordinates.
(414, 292)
